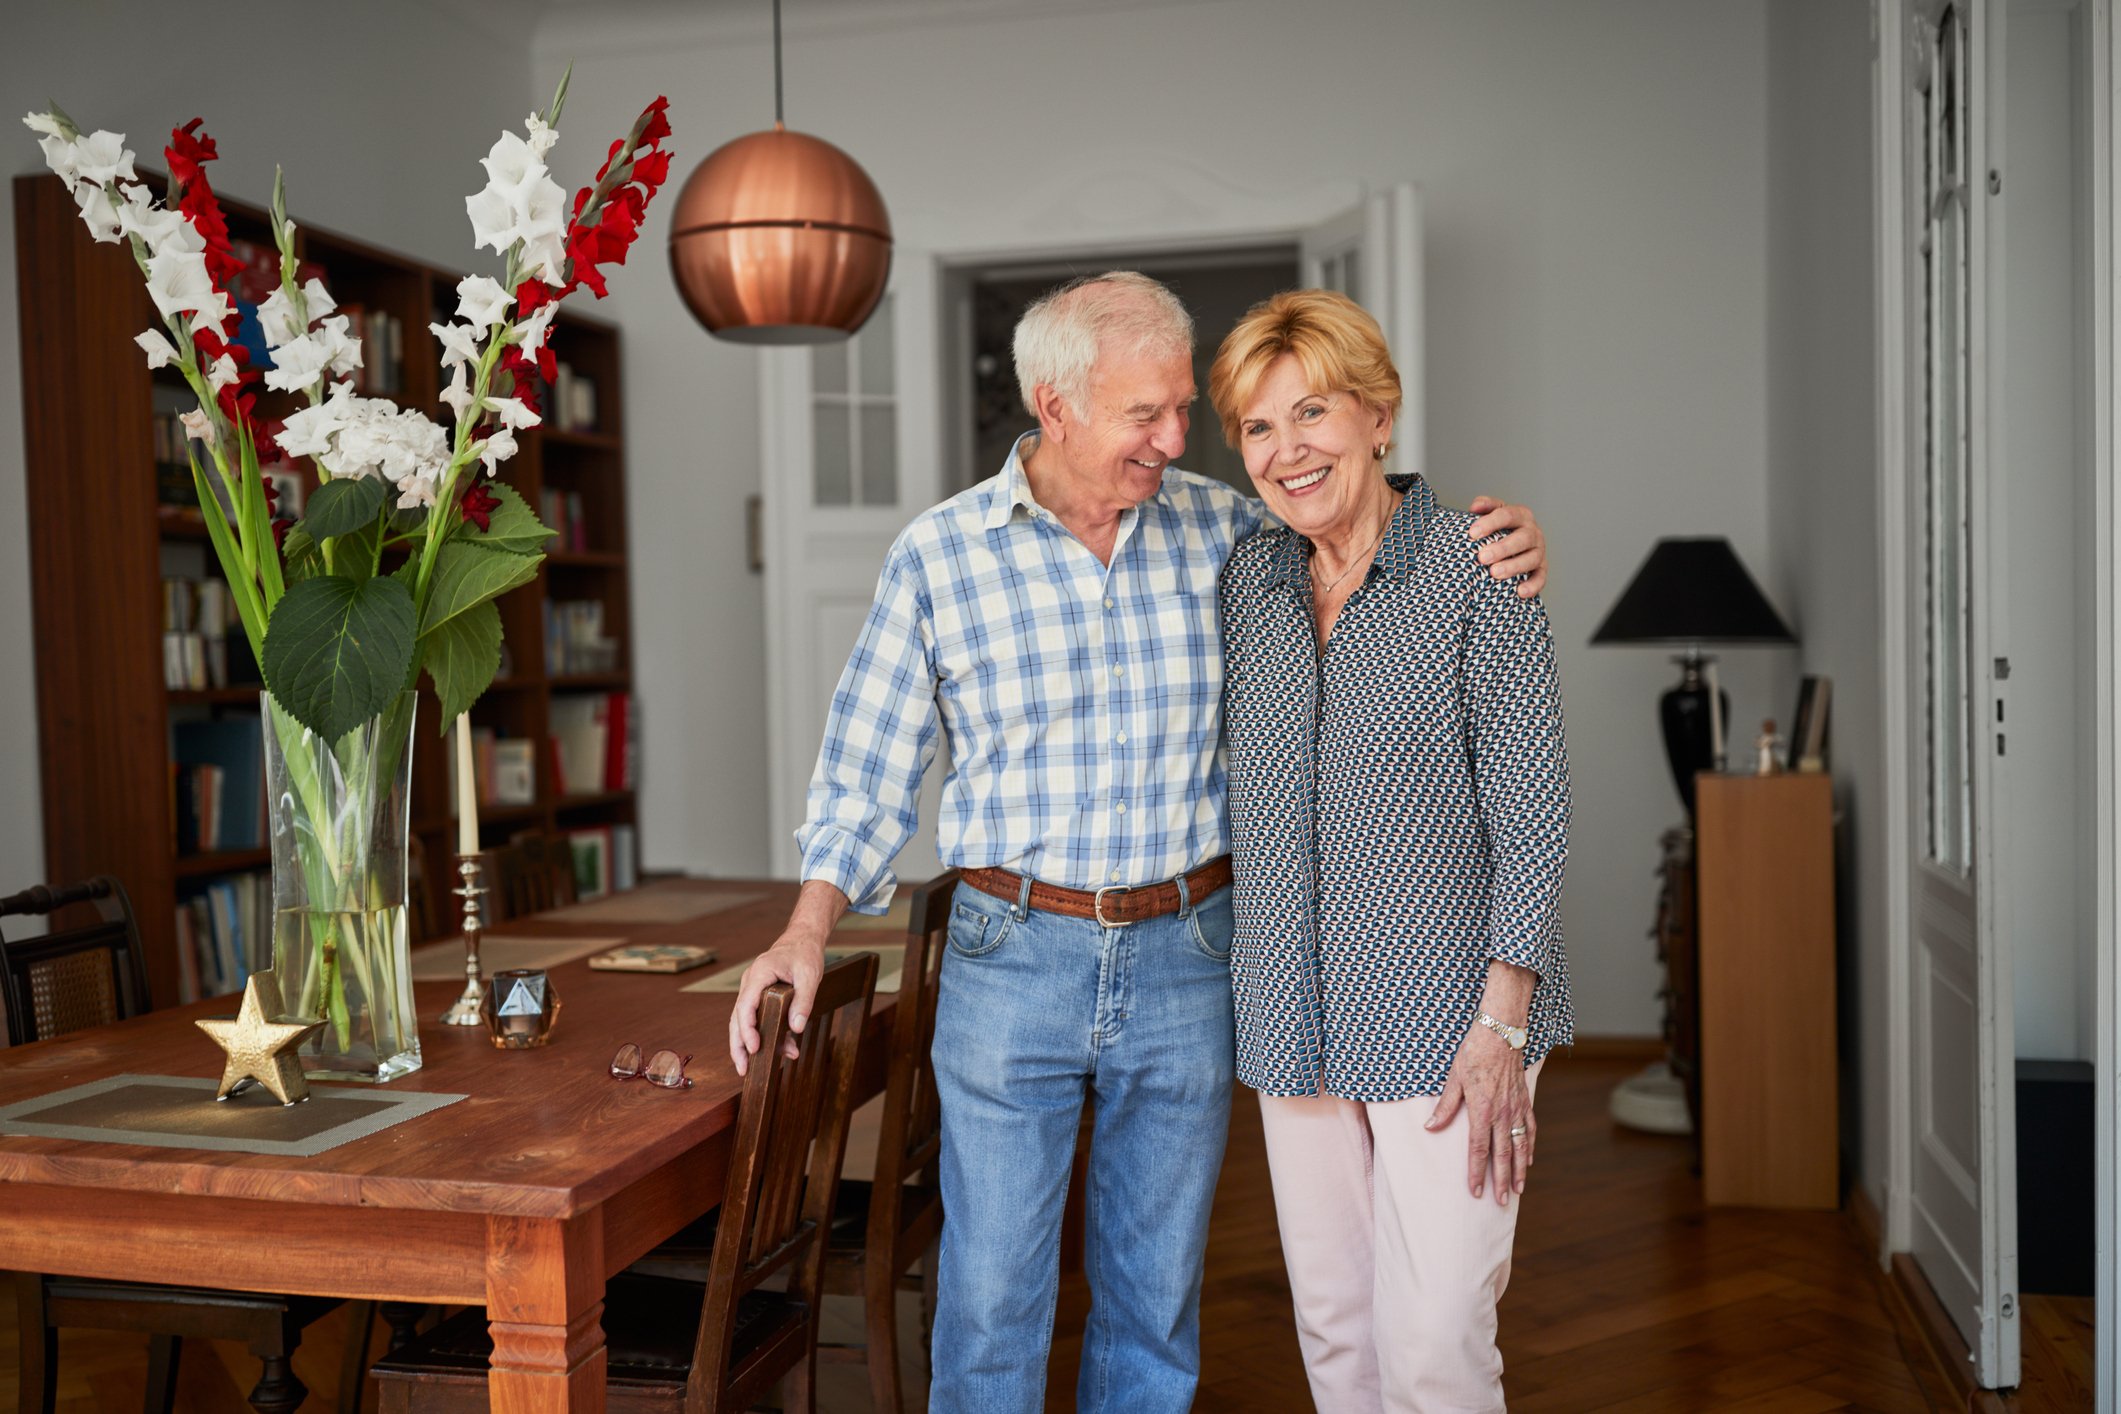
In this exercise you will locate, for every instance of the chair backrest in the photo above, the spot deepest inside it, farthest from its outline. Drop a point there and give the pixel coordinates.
(910, 1137)
(547, 863)
(791, 1134)
(81, 977)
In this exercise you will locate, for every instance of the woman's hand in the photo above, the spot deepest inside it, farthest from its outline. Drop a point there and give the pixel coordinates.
(1487, 1077)
(1522, 552)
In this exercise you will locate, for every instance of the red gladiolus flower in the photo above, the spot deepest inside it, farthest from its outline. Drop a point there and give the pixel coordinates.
(479, 505)
(188, 153)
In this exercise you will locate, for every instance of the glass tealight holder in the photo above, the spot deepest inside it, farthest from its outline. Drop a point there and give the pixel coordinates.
(520, 1007)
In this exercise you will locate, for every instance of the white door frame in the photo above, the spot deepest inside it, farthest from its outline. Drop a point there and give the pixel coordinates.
(1890, 272)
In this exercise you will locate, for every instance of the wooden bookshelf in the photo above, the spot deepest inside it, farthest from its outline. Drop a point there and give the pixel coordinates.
(102, 547)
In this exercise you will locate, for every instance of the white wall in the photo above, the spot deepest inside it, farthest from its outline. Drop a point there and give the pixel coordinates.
(379, 117)
(1821, 475)
(1595, 185)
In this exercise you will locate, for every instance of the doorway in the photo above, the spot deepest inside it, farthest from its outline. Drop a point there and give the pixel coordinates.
(987, 415)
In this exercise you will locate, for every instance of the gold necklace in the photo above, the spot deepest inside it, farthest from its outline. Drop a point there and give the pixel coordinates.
(1362, 559)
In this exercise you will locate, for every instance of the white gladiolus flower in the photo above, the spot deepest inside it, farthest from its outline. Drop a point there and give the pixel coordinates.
(308, 431)
(513, 413)
(178, 281)
(531, 332)
(482, 302)
(297, 363)
(157, 225)
(542, 220)
(415, 491)
(103, 157)
(198, 424)
(43, 123)
(342, 351)
(276, 318)
(460, 343)
(497, 449)
(315, 296)
(97, 212)
(222, 373)
(492, 223)
(59, 156)
(159, 350)
(541, 137)
(511, 164)
(458, 394)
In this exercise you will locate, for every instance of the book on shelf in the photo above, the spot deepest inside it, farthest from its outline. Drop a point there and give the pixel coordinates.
(224, 932)
(572, 402)
(203, 644)
(562, 513)
(596, 742)
(575, 641)
(605, 860)
(503, 770)
(219, 768)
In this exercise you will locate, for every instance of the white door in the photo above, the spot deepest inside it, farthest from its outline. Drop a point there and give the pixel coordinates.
(1372, 253)
(851, 452)
(1962, 1177)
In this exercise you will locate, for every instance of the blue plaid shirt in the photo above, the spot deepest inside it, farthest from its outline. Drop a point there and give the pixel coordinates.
(1083, 703)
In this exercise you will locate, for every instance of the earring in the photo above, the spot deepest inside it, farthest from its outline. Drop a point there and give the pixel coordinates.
(1378, 451)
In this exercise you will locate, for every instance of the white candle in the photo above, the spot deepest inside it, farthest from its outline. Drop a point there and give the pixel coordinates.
(467, 791)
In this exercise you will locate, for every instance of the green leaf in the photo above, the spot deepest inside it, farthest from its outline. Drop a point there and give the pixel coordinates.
(337, 652)
(343, 505)
(301, 555)
(462, 655)
(467, 574)
(512, 526)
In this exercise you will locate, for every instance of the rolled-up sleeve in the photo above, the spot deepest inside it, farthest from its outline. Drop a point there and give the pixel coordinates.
(864, 799)
(1520, 770)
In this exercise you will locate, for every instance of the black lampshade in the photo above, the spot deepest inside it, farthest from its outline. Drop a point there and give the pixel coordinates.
(1693, 591)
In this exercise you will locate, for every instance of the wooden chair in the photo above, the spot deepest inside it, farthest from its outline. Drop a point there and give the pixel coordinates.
(882, 1227)
(547, 862)
(707, 1347)
(91, 976)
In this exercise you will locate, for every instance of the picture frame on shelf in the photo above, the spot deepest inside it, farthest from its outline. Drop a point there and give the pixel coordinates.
(1811, 730)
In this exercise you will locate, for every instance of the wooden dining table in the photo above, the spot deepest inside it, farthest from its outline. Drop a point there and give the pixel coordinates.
(523, 1197)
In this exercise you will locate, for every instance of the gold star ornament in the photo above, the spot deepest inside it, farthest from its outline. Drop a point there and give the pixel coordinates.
(261, 1043)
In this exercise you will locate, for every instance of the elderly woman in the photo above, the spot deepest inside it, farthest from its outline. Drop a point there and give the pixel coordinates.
(1399, 809)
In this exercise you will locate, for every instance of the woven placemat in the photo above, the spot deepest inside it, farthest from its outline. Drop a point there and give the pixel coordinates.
(180, 1112)
(649, 905)
(890, 963)
(501, 952)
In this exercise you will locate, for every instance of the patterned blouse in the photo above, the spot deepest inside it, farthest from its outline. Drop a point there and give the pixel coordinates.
(1399, 809)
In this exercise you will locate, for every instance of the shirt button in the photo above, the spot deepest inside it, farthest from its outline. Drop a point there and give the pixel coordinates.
(1115, 876)
(1121, 738)
(1121, 807)
(1108, 602)
(1118, 671)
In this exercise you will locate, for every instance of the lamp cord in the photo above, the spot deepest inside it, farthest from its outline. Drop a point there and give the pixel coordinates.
(777, 114)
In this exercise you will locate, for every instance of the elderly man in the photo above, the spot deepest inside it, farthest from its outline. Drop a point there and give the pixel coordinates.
(1057, 622)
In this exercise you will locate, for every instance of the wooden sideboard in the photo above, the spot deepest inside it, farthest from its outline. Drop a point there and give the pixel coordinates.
(1770, 1117)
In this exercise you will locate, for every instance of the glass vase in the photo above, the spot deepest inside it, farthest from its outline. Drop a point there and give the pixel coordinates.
(340, 815)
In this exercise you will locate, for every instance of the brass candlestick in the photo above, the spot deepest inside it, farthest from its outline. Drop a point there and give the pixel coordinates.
(466, 1010)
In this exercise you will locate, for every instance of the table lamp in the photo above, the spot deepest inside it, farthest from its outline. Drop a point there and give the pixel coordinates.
(1692, 591)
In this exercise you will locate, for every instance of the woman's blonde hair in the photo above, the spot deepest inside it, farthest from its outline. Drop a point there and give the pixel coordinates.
(1335, 341)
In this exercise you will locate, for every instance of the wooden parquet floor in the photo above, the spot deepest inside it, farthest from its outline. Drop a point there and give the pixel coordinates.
(1627, 1295)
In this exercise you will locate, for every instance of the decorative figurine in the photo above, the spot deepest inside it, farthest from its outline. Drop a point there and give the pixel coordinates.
(1770, 750)
(261, 1043)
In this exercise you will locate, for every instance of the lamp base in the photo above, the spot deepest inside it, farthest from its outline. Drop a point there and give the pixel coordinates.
(1689, 745)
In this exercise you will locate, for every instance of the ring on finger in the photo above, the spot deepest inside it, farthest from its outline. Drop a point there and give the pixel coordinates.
(1518, 1132)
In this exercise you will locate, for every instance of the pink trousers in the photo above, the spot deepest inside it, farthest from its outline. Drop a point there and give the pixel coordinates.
(1396, 1268)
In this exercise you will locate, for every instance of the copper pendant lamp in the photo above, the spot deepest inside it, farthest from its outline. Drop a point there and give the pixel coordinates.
(780, 237)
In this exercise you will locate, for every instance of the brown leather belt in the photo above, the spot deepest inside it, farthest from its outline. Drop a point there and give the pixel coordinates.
(1112, 907)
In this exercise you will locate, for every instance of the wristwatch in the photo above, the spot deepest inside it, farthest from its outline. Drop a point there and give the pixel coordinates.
(1515, 1035)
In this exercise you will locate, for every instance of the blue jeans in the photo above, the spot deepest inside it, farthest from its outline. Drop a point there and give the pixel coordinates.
(1038, 1011)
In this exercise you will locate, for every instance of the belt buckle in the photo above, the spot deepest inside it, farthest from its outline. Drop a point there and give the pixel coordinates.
(1097, 906)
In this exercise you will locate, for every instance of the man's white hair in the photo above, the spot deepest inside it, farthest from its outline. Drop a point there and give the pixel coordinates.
(1120, 313)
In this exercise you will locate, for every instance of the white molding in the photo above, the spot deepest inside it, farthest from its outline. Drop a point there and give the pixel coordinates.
(1889, 227)
(2105, 131)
